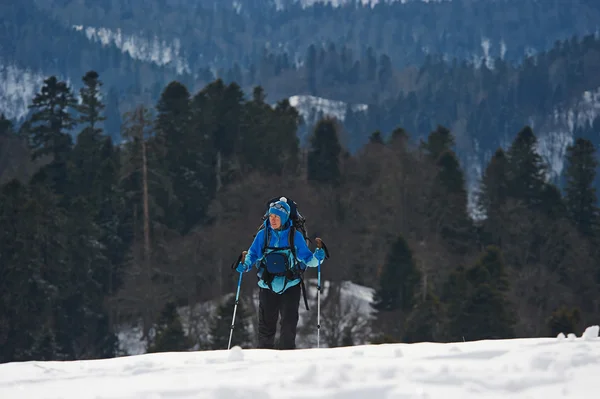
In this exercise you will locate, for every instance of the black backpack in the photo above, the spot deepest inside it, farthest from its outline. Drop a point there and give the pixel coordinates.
(298, 221)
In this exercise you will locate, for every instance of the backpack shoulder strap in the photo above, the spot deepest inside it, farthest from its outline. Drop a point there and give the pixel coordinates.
(291, 241)
(267, 238)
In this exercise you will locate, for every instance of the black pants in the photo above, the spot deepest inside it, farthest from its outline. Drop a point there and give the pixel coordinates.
(270, 306)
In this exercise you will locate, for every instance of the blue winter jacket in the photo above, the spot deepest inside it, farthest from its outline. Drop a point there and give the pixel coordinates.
(279, 238)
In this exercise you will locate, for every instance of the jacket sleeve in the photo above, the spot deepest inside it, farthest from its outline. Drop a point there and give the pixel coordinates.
(255, 252)
(303, 253)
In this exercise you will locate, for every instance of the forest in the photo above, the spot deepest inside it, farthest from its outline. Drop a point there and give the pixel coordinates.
(98, 233)
(354, 54)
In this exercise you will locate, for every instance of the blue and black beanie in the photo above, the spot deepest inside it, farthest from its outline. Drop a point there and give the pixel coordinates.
(281, 209)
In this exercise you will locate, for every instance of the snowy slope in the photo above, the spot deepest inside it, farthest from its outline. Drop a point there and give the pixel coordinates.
(17, 89)
(544, 368)
(156, 50)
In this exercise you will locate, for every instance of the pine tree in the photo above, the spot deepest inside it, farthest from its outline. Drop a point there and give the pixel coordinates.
(6, 126)
(448, 213)
(23, 291)
(564, 320)
(170, 336)
(526, 169)
(493, 191)
(438, 141)
(425, 321)
(323, 162)
(269, 142)
(178, 147)
(483, 311)
(92, 107)
(94, 174)
(49, 132)
(580, 193)
(220, 326)
(217, 115)
(51, 120)
(394, 298)
(492, 198)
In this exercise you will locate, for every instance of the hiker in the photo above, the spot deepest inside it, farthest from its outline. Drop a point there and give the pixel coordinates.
(280, 267)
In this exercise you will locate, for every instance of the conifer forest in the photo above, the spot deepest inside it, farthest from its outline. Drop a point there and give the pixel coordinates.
(101, 230)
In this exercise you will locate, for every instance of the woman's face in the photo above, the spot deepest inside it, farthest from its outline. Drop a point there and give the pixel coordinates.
(275, 221)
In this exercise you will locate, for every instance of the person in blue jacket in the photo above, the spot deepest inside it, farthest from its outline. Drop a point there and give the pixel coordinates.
(279, 265)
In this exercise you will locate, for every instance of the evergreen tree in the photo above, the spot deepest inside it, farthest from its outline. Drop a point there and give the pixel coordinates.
(323, 161)
(92, 107)
(483, 312)
(438, 142)
(178, 147)
(448, 211)
(217, 115)
(580, 194)
(51, 120)
(494, 185)
(394, 298)
(455, 291)
(492, 197)
(49, 132)
(526, 169)
(425, 321)
(564, 320)
(6, 126)
(170, 336)
(220, 326)
(269, 141)
(94, 174)
(23, 291)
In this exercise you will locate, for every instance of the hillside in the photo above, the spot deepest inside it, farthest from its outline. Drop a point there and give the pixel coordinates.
(138, 47)
(550, 368)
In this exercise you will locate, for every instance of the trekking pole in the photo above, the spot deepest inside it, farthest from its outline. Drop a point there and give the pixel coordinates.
(237, 297)
(319, 245)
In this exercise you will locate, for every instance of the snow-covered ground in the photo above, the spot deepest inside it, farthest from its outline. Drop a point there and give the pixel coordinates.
(544, 368)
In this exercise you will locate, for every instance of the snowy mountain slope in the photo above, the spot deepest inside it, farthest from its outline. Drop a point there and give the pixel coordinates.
(554, 132)
(543, 368)
(17, 89)
(157, 51)
(557, 130)
(311, 106)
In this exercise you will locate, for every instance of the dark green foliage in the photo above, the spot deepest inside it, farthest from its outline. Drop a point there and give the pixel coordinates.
(438, 142)
(6, 126)
(447, 210)
(564, 320)
(269, 142)
(91, 108)
(170, 336)
(492, 197)
(425, 322)
(180, 147)
(323, 160)
(399, 279)
(52, 120)
(478, 306)
(580, 194)
(220, 326)
(526, 169)
(395, 295)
